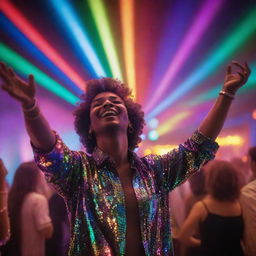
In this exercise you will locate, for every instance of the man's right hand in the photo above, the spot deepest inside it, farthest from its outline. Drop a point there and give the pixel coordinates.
(18, 89)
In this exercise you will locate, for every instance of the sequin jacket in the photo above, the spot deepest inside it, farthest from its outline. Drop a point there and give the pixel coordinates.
(95, 198)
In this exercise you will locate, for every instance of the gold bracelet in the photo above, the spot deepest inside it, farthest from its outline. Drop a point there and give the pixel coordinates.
(228, 94)
(3, 192)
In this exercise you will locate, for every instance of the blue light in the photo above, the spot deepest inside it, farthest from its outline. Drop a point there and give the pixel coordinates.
(26, 45)
(153, 123)
(79, 35)
(143, 136)
(153, 135)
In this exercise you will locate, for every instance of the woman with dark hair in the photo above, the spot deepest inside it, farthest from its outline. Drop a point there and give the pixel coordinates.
(117, 202)
(218, 217)
(28, 209)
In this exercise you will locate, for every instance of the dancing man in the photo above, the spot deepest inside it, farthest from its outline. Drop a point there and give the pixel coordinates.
(117, 202)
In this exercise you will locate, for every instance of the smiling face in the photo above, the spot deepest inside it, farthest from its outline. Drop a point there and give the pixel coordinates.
(108, 112)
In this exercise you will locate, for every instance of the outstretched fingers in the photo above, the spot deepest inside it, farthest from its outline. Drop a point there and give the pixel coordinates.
(242, 67)
(31, 80)
(229, 70)
(11, 72)
(3, 67)
(245, 70)
(7, 89)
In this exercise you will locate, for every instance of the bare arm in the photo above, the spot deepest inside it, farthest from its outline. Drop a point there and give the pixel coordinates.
(37, 127)
(4, 219)
(191, 225)
(213, 123)
(47, 231)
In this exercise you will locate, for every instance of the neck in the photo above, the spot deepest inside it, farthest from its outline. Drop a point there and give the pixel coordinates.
(114, 145)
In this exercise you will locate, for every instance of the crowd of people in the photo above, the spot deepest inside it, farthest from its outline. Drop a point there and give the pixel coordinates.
(220, 214)
(27, 225)
(118, 203)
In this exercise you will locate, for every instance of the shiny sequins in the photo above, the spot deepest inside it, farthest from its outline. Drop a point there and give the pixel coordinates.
(95, 198)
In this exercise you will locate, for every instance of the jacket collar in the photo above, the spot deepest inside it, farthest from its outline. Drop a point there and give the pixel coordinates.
(101, 157)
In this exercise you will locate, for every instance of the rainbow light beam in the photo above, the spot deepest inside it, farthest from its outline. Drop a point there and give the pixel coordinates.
(193, 36)
(127, 21)
(213, 93)
(171, 123)
(79, 35)
(103, 27)
(231, 43)
(26, 68)
(34, 36)
(33, 51)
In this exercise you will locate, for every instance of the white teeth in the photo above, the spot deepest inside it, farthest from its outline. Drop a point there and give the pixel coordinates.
(109, 112)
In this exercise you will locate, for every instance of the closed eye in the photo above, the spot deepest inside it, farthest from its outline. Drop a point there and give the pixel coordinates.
(118, 102)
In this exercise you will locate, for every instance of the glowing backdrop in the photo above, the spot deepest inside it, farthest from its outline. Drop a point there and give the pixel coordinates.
(172, 54)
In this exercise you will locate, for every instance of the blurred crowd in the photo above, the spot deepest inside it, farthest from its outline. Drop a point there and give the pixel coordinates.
(213, 214)
(33, 220)
(215, 211)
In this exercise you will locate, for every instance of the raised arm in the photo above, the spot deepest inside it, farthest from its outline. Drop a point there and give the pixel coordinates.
(212, 124)
(37, 127)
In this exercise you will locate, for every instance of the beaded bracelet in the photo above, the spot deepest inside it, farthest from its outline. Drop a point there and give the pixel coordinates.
(228, 94)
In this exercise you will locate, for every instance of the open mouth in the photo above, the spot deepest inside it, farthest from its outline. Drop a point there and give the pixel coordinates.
(109, 113)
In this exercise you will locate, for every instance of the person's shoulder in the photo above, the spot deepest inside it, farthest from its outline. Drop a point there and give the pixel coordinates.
(248, 192)
(250, 187)
(35, 196)
(199, 208)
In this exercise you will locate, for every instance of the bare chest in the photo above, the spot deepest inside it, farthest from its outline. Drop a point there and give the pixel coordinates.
(133, 233)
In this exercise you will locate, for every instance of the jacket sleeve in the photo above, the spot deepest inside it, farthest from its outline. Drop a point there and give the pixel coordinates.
(176, 166)
(62, 167)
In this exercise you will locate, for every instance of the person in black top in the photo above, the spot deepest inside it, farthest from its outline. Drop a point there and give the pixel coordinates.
(218, 217)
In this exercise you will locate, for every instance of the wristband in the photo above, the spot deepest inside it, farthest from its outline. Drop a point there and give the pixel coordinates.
(31, 108)
(228, 94)
(33, 112)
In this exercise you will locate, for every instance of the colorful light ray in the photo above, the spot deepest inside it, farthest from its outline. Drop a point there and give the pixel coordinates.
(160, 149)
(103, 27)
(33, 51)
(230, 140)
(34, 36)
(79, 35)
(171, 124)
(193, 36)
(171, 38)
(213, 93)
(231, 43)
(24, 67)
(127, 21)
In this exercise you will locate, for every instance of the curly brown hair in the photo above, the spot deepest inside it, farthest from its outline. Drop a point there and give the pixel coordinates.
(82, 113)
(222, 181)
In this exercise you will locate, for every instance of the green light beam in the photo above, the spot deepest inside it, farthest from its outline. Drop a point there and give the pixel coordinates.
(212, 94)
(103, 27)
(24, 67)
